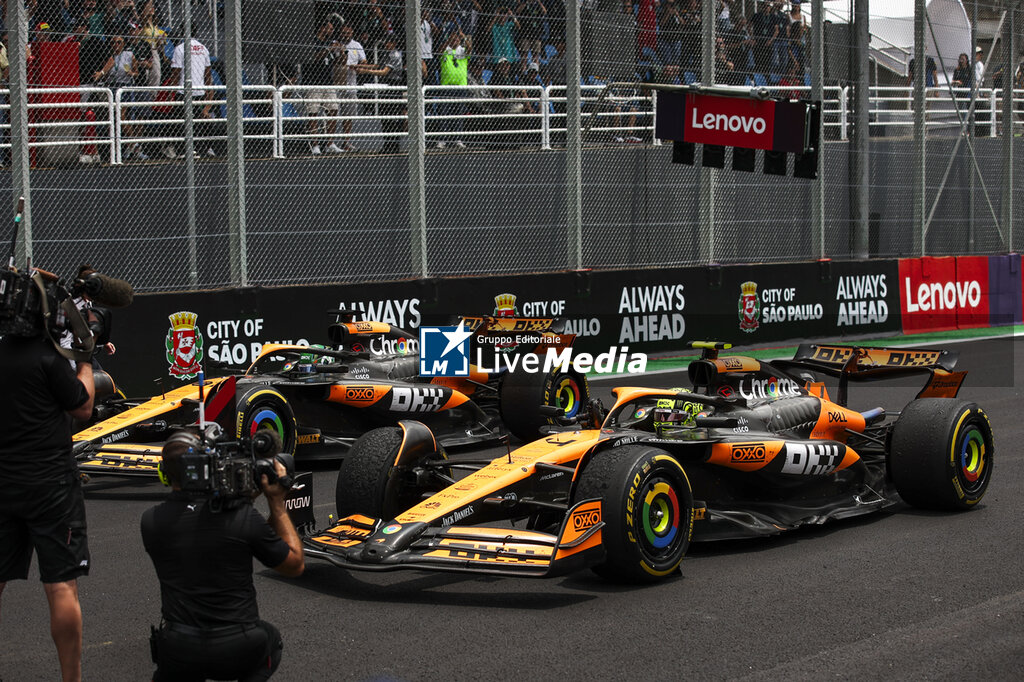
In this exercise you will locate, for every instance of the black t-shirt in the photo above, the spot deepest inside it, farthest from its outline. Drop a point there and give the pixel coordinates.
(320, 71)
(39, 388)
(204, 560)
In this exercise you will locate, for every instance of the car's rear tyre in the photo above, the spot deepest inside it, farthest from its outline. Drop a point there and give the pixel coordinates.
(523, 393)
(262, 407)
(941, 454)
(370, 484)
(647, 508)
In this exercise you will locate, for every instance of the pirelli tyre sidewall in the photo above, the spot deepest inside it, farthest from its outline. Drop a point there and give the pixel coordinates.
(370, 482)
(941, 454)
(263, 407)
(647, 508)
(523, 393)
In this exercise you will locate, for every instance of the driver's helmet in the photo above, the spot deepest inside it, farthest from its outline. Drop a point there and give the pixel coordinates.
(304, 363)
(678, 413)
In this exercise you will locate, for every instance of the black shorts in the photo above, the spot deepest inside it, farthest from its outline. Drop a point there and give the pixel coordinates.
(49, 518)
(247, 653)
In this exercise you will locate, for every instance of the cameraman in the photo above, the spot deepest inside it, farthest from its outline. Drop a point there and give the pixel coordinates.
(203, 558)
(41, 504)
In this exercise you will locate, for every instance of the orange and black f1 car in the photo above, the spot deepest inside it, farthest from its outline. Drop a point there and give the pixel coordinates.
(320, 400)
(755, 448)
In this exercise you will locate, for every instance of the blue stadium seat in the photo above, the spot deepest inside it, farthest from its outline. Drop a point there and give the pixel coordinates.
(550, 51)
(759, 80)
(689, 77)
(807, 79)
(486, 75)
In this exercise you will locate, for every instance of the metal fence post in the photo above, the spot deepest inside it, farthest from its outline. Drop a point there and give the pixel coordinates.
(417, 143)
(654, 118)
(545, 118)
(115, 117)
(920, 149)
(1009, 54)
(844, 113)
(573, 139)
(706, 175)
(189, 151)
(817, 95)
(237, 251)
(278, 125)
(20, 161)
(860, 149)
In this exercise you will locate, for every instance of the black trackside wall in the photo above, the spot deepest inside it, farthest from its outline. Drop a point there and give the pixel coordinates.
(646, 310)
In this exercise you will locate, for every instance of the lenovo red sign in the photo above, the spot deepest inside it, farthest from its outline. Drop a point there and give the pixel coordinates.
(740, 122)
(944, 293)
(729, 121)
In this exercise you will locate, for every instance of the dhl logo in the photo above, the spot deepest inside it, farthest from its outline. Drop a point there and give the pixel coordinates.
(748, 452)
(359, 393)
(912, 358)
(492, 553)
(585, 518)
(832, 354)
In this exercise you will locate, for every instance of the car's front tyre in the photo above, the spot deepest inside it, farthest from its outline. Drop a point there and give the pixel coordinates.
(647, 509)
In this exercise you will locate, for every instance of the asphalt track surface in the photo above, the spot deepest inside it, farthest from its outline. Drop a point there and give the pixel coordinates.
(901, 594)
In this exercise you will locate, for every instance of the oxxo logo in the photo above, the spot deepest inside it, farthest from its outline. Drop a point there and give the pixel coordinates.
(585, 519)
(748, 452)
(360, 393)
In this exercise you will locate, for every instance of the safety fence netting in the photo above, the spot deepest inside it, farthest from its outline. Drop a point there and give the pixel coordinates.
(130, 170)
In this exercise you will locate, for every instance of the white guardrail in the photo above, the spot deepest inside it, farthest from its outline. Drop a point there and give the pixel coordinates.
(528, 116)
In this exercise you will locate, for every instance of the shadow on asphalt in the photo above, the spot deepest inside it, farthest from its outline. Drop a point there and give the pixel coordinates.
(424, 588)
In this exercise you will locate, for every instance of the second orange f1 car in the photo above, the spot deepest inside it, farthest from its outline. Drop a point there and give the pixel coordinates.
(755, 448)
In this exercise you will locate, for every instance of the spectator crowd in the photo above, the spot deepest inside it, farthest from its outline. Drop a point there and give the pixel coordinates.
(512, 46)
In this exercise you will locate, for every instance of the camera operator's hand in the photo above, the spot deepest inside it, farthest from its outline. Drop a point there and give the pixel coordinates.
(295, 562)
(274, 491)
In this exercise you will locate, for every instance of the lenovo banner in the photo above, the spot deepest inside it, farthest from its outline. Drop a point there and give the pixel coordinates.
(732, 121)
(937, 294)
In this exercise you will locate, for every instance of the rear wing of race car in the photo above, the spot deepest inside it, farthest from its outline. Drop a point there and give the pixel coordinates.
(859, 363)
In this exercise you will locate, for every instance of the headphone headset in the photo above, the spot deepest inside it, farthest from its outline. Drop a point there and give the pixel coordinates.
(191, 443)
